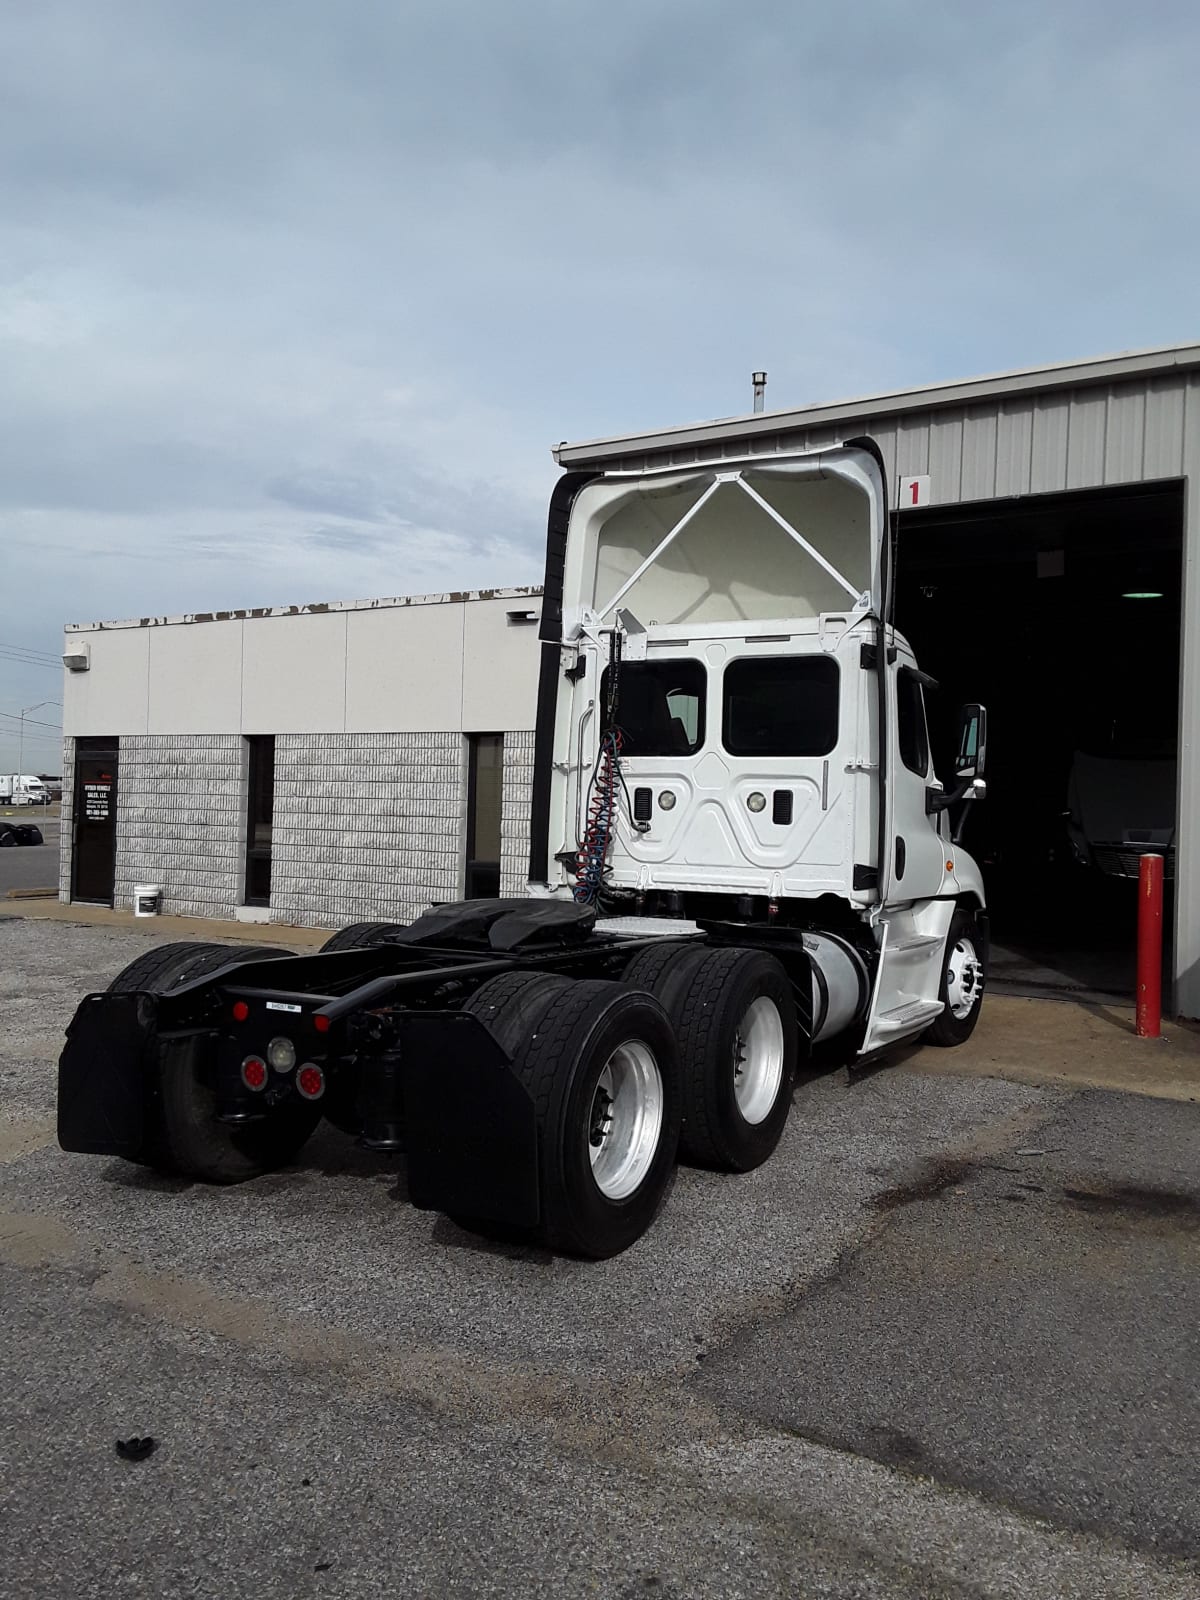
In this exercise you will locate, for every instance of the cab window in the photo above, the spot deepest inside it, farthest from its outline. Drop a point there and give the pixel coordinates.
(660, 706)
(781, 706)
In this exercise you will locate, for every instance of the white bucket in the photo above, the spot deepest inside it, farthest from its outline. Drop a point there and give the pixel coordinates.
(147, 899)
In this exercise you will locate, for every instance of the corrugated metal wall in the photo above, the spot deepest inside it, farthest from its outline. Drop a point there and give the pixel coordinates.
(1033, 444)
(1087, 436)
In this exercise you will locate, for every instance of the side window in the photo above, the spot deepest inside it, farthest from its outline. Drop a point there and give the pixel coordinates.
(910, 722)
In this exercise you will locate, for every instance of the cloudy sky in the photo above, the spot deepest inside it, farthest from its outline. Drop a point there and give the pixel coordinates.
(295, 297)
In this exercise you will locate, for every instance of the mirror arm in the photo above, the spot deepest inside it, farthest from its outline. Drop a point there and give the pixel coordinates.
(942, 799)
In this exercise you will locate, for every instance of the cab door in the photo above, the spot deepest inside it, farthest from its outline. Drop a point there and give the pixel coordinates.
(919, 851)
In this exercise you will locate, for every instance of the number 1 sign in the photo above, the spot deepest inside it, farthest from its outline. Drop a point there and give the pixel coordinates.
(913, 492)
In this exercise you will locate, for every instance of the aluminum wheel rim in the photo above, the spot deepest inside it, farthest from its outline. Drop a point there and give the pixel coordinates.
(964, 979)
(626, 1120)
(758, 1059)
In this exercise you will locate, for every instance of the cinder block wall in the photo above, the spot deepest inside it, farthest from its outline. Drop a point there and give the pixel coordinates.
(366, 826)
(514, 816)
(67, 814)
(181, 821)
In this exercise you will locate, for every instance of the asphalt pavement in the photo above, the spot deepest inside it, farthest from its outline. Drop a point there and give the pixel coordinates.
(942, 1345)
(31, 866)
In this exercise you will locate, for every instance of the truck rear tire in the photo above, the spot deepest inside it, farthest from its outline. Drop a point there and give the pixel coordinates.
(168, 966)
(190, 1139)
(964, 975)
(736, 1022)
(513, 1004)
(360, 936)
(661, 968)
(601, 1066)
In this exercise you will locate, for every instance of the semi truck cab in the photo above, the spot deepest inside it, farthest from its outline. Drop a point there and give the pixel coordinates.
(739, 852)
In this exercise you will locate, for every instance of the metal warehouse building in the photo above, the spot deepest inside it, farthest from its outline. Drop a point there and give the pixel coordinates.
(1048, 564)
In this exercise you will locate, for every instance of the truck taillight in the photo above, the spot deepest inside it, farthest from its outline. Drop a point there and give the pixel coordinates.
(254, 1072)
(310, 1081)
(240, 1011)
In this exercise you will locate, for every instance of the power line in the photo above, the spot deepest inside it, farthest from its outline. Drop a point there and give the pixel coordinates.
(31, 722)
(12, 644)
(31, 651)
(33, 666)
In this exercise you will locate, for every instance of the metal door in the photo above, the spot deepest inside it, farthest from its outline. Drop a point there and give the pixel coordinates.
(94, 821)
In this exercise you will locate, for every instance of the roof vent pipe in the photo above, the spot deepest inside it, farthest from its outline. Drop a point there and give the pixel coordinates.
(760, 389)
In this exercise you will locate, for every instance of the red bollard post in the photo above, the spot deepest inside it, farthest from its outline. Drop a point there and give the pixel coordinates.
(1149, 947)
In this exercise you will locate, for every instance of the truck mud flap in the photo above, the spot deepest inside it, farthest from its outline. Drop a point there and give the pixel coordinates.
(469, 1123)
(105, 1077)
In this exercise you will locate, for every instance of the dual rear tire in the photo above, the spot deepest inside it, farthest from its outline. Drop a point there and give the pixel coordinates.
(601, 1065)
(692, 1053)
(186, 1136)
(735, 1019)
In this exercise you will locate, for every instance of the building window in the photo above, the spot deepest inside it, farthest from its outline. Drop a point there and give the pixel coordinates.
(485, 784)
(260, 808)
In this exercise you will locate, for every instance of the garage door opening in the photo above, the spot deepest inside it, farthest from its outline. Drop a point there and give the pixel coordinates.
(1061, 613)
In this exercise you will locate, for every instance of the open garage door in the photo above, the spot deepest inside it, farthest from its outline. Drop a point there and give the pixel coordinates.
(1062, 614)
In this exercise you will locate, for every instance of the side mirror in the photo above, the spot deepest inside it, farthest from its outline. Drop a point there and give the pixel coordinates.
(971, 744)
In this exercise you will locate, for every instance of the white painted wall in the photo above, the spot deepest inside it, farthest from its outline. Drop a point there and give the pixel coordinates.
(441, 665)
(114, 699)
(194, 678)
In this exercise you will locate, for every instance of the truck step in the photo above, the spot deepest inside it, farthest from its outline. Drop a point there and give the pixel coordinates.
(916, 941)
(911, 1015)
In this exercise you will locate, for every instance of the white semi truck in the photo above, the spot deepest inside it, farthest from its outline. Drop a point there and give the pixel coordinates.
(22, 789)
(740, 852)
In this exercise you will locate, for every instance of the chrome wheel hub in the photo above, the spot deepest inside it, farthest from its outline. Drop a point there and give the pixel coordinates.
(964, 979)
(758, 1059)
(625, 1120)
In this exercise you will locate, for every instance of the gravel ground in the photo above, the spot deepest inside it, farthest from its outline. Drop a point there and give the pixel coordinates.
(354, 1397)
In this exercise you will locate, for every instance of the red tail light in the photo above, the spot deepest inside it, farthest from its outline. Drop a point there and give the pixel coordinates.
(321, 1023)
(254, 1072)
(310, 1081)
(240, 1011)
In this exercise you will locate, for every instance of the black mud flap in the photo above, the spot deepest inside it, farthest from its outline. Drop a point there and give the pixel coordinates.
(106, 1081)
(470, 1128)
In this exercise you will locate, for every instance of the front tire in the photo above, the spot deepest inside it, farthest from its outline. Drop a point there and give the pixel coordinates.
(964, 976)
